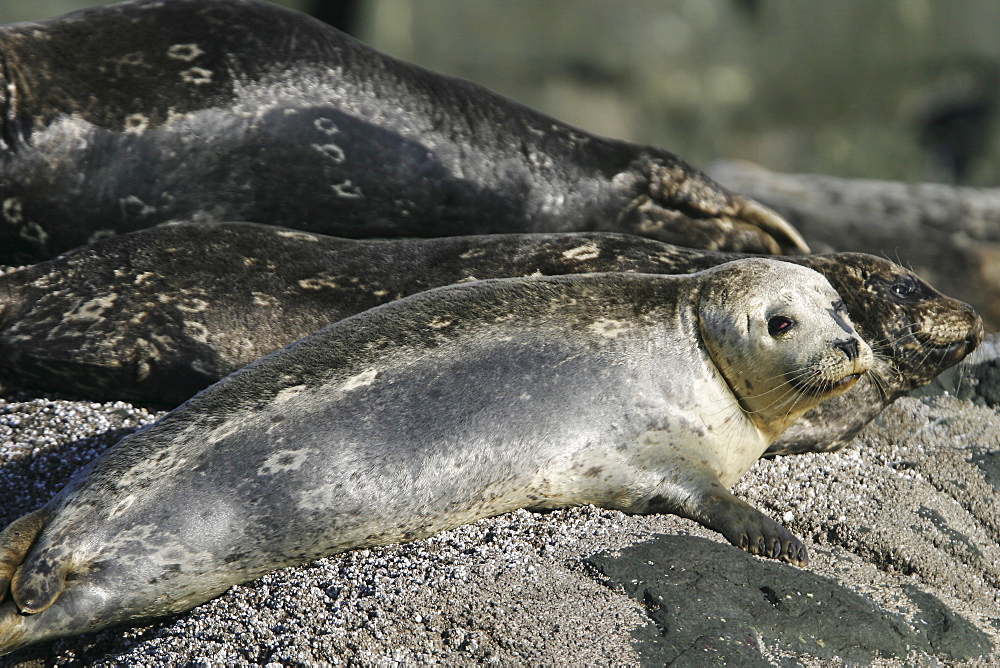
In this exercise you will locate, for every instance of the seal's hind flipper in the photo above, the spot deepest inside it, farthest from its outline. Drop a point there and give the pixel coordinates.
(12, 634)
(713, 217)
(40, 580)
(770, 223)
(15, 541)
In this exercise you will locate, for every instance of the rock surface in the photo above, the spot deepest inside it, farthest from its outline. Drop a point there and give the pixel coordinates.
(902, 528)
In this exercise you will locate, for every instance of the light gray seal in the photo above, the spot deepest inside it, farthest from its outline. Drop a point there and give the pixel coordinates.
(156, 315)
(121, 117)
(643, 393)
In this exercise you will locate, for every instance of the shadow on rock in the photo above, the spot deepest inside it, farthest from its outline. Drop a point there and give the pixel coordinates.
(712, 604)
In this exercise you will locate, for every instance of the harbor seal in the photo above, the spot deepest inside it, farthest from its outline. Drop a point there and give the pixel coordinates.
(121, 117)
(638, 392)
(156, 315)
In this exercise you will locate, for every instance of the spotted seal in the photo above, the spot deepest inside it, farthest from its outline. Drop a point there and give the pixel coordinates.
(156, 315)
(121, 117)
(638, 392)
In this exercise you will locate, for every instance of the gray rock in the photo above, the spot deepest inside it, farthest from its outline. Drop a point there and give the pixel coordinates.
(714, 605)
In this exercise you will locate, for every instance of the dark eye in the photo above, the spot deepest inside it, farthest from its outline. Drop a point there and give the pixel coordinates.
(779, 324)
(839, 307)
(903, 287)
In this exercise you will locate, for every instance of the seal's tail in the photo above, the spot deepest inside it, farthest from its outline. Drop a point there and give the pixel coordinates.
(79, 609)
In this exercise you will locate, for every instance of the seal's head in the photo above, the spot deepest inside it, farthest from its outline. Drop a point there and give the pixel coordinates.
(915, 333)
(780, 336)
(919, 330)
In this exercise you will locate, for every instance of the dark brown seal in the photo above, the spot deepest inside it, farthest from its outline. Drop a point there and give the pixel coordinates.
(156, 315)
(121, 117)
(636, 392)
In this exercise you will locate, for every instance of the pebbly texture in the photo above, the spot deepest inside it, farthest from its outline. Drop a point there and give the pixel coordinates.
(624, 391)
(157, 315)
(118, 118)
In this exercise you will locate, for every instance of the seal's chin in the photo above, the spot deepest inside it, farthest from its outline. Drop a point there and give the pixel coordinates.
(949, 355)
(844, 384)
(924, 363)
(955, 352)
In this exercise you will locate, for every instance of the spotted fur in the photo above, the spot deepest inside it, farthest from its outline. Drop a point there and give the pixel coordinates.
(121, 117)
(621, 390)
(159, 314)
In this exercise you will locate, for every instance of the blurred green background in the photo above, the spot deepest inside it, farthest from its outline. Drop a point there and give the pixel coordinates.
(894, 89)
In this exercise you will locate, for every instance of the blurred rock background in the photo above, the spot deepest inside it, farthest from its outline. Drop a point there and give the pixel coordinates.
(894, 89)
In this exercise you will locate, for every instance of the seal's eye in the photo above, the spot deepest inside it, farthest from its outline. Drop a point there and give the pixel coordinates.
(903, 287)
(839, 307)
(779, 324)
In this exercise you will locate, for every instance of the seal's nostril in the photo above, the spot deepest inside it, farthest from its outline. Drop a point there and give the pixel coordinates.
(849, 348)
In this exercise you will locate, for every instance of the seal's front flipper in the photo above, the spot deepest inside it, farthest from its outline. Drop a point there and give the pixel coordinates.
(747, 528)
(15, 541)
(742, 525)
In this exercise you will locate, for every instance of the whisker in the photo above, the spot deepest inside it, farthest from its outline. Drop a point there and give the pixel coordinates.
(789, 388)
(880, 383)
